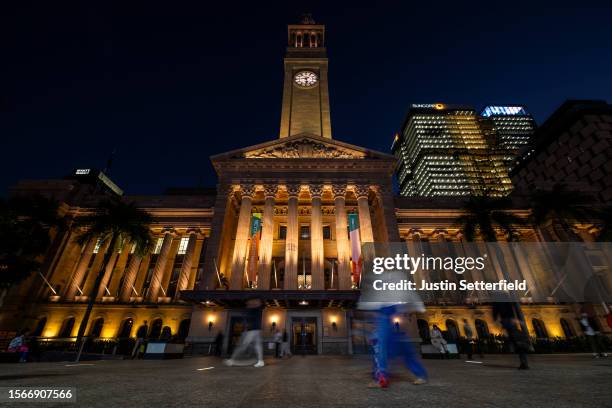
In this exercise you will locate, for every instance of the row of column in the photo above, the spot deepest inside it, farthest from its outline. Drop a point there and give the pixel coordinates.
(292, 237)
(131, 271)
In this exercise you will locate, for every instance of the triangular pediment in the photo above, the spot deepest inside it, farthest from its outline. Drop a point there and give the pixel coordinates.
(303, 146)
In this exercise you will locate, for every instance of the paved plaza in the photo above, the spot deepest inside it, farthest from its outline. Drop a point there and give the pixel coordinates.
(321, 381)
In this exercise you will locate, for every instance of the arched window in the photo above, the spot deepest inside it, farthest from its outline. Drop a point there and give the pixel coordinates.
(423, 330)
(67, 325)
(96, 327)
(482, 329)
(156, 327)
(166, 333)
(452, 331)
(126, 328)
(40, 326)
(539, 328)
(567, 329)
(183, 329)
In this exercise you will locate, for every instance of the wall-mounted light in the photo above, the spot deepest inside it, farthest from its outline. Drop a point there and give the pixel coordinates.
(334, 323)
(396, 323)
(211, 322)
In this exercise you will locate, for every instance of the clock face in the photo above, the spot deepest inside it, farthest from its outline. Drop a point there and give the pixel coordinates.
(305, 79)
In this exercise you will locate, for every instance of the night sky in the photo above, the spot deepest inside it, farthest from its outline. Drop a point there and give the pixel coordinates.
(168, 84)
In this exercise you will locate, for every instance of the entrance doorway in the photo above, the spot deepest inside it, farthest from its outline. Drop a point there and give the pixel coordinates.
(304, 335)
(238, 325)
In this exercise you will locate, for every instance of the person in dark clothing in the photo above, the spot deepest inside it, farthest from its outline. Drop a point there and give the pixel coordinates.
(504, 312)
(252, 336)
(219, 343)
(469, 339)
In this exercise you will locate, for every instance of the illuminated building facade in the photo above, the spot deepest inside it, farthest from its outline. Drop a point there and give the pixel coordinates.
(447, 150)
(514, 127)
(301, 188)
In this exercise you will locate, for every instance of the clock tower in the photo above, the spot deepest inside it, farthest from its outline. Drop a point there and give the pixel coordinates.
(305, 93)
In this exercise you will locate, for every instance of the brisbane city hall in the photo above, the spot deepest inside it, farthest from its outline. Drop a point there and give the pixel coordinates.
(302, 188)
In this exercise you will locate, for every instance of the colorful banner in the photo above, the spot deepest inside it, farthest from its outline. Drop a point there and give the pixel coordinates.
(254, 235)
(356, 261)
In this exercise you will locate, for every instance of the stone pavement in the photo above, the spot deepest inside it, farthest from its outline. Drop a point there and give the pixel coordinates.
(322, 381)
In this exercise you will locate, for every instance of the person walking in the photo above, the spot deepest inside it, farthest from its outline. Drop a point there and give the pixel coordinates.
(18, 345)
(252, 336)
(469, 339)
(278, 337)
(592, 336)
(387, 342)
(285, 349)
(219, 343)
(504, 312)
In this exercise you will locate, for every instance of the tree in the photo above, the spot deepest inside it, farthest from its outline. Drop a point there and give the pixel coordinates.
(25, 225)
(482, 214)
(116, 224)
(558, 207)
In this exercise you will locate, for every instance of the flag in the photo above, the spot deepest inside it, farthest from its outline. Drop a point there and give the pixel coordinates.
(353, 222)
(254, 235)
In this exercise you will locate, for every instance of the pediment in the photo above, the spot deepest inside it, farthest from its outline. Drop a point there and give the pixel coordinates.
(303, 147)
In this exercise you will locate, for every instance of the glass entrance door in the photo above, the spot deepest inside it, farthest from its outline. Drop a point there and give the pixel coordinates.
(304, 335)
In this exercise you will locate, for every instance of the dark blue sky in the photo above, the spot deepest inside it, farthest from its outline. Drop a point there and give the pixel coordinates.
(171, 83)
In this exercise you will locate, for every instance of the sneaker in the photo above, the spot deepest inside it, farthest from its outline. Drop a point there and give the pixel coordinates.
(229, 362)
(523, 367)
(260, 363)
(419, 381)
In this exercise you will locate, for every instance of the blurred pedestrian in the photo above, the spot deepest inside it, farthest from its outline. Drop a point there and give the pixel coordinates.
(387, 342)
(469, 339)
(505, 313)
(592, 335)
(219, 343)
(285, 349)
(278, 337)
(252, 337)
(18, 345)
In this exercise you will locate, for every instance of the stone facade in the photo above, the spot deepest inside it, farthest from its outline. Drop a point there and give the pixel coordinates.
(573, 147)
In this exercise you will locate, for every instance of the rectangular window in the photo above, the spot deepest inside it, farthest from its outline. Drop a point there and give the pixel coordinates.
(158, 245)
(327, 232)
(282, 232)
(182, 249)
(304, 232)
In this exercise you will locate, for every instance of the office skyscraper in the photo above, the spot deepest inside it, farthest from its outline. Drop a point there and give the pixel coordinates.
(447, 150)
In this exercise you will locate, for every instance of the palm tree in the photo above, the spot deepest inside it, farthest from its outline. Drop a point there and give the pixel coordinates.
(115, 224)
(25, 226)
(559, 206)
(482, 215)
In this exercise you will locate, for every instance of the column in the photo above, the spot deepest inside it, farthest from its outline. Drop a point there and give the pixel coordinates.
(127, 290)
(292, 240)
(108, 271)
(242, 237)
(342, 241)
(222, 213)
(385, 195)
(160, 266)
(187, 262)
(80, 270)
(316, 238)
(267, 236)
(365, 222)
